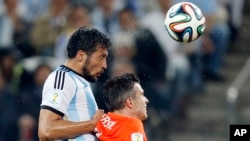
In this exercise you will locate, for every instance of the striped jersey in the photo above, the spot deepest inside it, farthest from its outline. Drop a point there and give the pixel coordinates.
(69, 95)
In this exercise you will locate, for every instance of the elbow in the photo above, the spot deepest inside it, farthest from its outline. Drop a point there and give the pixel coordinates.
(44, 135)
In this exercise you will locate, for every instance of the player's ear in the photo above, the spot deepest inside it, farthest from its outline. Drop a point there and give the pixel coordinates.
(129, 102)
(81, 56)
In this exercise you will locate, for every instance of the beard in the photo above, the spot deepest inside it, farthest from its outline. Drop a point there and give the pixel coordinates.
(86, 72)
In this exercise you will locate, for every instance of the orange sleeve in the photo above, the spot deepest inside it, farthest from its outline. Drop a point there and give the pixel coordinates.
(135, 131)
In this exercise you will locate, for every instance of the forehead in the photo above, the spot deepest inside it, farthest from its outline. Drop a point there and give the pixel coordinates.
(138, 89)
(100, 50)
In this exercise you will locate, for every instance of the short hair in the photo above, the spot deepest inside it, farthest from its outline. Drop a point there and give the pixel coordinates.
(86, 39)
(117, 89)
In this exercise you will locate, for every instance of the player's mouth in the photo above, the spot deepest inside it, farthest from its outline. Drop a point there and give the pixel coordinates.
(99, 74)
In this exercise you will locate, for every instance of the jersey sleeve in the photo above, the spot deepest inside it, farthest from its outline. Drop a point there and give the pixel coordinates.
(137, 132)
(58, 92)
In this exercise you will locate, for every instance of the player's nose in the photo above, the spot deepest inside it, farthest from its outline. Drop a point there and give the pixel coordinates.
(104, 64)
(146, 100)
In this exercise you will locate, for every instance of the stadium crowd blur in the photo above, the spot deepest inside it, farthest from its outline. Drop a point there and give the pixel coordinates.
(33, 39)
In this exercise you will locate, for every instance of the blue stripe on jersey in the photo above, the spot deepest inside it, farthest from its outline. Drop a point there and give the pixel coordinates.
(91, 104)
(90, 101)
(73, 114)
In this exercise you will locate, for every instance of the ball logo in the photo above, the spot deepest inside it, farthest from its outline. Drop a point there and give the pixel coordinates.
(137, 137)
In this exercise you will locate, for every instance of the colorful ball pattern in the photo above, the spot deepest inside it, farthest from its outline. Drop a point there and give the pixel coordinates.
(185, 22)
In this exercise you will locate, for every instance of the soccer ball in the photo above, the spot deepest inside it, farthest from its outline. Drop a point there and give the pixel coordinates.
(185, 22)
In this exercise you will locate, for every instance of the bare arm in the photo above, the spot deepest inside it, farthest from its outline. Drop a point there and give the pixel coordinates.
(52, 126)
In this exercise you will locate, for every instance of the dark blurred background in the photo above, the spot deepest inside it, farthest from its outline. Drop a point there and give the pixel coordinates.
(195, 90)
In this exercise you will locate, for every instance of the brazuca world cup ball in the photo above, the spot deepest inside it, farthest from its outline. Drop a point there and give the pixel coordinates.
(185, 22)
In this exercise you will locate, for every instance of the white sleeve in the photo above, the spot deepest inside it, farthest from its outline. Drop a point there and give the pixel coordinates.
(58, 99)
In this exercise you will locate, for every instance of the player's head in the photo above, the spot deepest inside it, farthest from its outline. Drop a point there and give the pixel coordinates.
(90, 48)
(124, 92)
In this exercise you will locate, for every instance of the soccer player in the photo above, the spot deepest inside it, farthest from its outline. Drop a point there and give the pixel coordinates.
(127, 105)
(69, 109)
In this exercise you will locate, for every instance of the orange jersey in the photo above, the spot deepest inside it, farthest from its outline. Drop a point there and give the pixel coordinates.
(114, 127)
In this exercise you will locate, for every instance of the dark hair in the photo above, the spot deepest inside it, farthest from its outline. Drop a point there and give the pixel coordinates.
(86, 39)
(117, 89)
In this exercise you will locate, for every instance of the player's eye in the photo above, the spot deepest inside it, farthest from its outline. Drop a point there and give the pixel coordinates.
(102, 57)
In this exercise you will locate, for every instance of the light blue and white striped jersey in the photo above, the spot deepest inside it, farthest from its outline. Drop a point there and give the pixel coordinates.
(68, 94)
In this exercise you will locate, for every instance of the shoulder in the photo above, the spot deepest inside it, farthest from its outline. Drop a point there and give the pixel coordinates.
(60, 78)
(136, 131)
(137, 124)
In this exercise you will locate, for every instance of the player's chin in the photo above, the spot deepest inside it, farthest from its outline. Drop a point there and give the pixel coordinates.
(144, 117)
(146, 114)
(96, 77)
(92, 78)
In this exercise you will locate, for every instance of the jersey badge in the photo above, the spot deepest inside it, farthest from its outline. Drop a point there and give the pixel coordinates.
(137, 137)
(56, 98)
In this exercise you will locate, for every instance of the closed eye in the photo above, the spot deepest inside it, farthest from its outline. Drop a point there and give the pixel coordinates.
(102, 57)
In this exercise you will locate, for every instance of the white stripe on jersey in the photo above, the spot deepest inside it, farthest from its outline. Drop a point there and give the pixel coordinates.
(70, 94)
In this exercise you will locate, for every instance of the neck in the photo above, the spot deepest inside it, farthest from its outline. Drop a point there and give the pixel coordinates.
(124, 112)
(73, 65)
